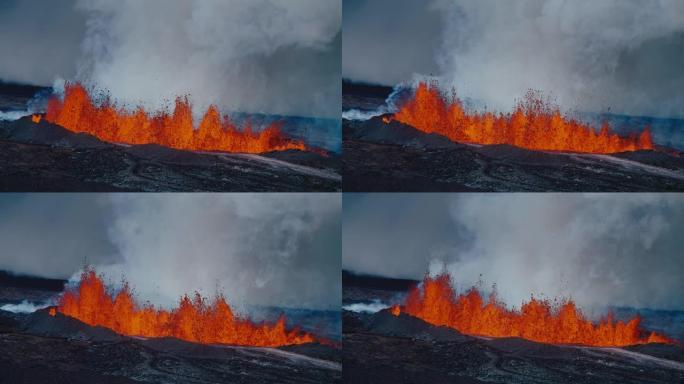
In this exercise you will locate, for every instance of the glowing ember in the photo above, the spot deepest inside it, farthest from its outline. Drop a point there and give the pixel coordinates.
(537, 320)
(36, 118)
(534, 124)
(78, 113)
(196, 319)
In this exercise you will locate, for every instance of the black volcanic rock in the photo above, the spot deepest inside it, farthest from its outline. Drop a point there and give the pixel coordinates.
(396, 133)
(44, 133)
(383, 348)
(42, 323)
(46, 157)
(385, 323)
(40, 348)
(395, 157)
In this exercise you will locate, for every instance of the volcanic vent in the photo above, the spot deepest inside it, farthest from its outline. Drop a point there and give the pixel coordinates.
(196, 319)
(537, 320)
(534, 124)
(78, 112)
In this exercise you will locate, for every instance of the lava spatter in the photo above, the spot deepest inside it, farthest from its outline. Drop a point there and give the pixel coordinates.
(195, 319)
(537, 320)
(534, 124)
(78, 113)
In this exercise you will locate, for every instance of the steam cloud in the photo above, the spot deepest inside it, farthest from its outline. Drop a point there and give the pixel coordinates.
(623, 56)
(242, 55)
(262, 249)
(600, 249)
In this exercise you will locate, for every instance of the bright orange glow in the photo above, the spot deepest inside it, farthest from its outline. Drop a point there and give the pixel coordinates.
(196, 319)
(78, 113)
(36, 118)
(537, 320)
(52, 311)
(534, 124)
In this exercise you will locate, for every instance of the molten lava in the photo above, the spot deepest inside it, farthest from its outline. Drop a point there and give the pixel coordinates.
(537, 320)
(36, 118)
(195, 319)
(534, 124)
(78, 113)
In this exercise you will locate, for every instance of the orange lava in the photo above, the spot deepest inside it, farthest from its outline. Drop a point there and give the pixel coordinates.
(533, 124)
(195, 319)
(36, 118)
(78, 113)
(537, 320)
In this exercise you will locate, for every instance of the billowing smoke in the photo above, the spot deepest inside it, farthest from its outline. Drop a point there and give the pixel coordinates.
(620, 56)
(24, 307)
(626, 56)
(245, 55)
(242, 55)
(599, 249)
(260, 249)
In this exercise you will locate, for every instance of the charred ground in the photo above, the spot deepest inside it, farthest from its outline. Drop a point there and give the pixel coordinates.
(381, 347)
(46, 157)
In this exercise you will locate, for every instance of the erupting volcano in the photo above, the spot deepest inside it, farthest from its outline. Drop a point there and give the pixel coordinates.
(78, 112)
(196, 319)
(534, 124)
(538, 320)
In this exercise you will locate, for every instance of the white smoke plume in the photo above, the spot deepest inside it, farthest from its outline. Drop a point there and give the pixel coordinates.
(372, 307)
(599, 249)
(606, 249)
(245, 55)
(255, 56)
(25, 307)
(256, 249)
(619, 55)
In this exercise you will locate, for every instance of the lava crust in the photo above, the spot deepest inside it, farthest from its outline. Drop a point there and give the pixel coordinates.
(47, 157)
(42, 348)
(388, 157)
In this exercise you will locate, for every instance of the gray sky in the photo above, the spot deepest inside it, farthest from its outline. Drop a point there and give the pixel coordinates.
(258, 249)
(243, 55)
(387, 41)
(600, 249)
(624, 56)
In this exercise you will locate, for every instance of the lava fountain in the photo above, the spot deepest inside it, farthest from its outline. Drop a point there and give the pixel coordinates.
(534, 124)
(538, 320)
(196, 319)
(78, 112)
